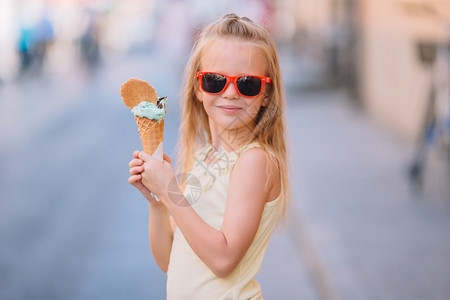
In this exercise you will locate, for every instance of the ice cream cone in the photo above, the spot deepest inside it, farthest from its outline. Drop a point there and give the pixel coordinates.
(149, 112)
(151, 133)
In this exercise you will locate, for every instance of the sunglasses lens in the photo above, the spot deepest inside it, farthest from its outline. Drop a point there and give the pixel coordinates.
(213, 83)
(249, 85)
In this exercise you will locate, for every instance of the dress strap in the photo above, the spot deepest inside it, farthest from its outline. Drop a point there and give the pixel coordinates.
(247, 147)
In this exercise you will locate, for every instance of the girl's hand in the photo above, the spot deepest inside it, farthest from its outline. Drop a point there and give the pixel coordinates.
(136, 169)
(156, 175)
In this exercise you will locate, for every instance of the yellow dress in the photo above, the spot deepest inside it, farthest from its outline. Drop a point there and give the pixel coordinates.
(187, 276)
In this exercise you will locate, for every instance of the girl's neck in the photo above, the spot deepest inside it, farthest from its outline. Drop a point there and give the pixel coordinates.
(232, 139)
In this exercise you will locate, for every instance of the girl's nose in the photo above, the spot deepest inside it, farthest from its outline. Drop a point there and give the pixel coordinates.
(231, 92)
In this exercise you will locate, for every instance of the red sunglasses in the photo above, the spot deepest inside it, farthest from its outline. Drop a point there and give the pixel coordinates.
(246, 85)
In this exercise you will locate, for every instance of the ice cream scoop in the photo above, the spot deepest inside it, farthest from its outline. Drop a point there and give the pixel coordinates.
(151, 110)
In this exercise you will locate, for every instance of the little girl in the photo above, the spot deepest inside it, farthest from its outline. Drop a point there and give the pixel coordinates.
(211, 240)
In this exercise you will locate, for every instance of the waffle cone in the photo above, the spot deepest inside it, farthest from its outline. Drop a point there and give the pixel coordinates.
(151, 133)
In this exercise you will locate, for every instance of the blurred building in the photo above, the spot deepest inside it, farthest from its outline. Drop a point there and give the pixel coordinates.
(325, 36)
(375, 48)
(395, 75)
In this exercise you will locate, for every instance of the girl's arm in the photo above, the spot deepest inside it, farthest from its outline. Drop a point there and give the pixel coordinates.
(160, 235)
(160, 227)
(222, 250)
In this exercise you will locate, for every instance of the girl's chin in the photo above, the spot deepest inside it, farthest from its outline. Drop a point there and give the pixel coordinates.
(226, 123)
(237, 127)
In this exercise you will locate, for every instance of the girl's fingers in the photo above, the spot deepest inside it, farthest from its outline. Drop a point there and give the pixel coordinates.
(135, 179)
(145, 156)
(136, 154)
(136, 162)
(136, 170)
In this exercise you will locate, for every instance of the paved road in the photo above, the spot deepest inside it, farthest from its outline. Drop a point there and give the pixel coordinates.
(371, 235)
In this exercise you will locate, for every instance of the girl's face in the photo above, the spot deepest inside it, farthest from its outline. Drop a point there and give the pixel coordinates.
(230, 110)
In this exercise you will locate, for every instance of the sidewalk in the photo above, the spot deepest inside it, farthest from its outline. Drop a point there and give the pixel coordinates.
(361, 230)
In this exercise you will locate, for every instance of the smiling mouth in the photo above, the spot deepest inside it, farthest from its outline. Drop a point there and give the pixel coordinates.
(229, 109)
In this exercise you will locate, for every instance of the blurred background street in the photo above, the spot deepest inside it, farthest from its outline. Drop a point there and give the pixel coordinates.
(368, 109)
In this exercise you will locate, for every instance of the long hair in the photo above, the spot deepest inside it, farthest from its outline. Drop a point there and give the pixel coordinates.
(269, 130)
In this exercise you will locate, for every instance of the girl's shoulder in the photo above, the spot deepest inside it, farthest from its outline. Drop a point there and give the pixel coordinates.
(254, 161)
(252, 153)
(256, 153)
(255, 157)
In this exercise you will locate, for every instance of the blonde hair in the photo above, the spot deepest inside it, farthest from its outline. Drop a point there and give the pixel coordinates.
(269, 130)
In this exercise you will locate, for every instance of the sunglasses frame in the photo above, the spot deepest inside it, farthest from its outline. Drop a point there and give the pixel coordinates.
(233, 79)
